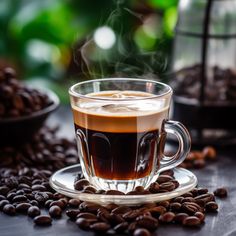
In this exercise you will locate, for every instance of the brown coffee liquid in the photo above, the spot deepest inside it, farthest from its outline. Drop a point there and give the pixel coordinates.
(122, 141)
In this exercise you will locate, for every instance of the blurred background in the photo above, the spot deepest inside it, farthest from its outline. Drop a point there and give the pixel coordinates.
(57, 43)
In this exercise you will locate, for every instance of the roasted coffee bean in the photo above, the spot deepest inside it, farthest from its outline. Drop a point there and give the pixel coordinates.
(139, 189)
(141, 232)
(3, 203)
(201, 191)
(175, 206)
(131, 215)
(191, 221)
(87, 216)
(34, 203)
(80, 184)
(133, 193)
(41, 197)
(178, 199)
(188, 194)
(55, 211)
(154, 187)
(104, 215)
(179, 218)
(157, 211)
(23, 186)
(3, 197)
(188, 199)
(209, 153)
(22, 207)
(164, 178)
(165, 204)
(9, 209)
(147, 222)
(116, 219)
(72, 214)
(57, 203)
(221, 192)
(38, 187)
(10, 196)
(167, 217)
(167, 172)
(194, 192)
(121, 210)
(90, 189)
(48, 203)
(4, 190)
(200, 216)
(33, 211)
(132, 227)
(111, 206)
(43, 220)
(74, 202)
(100, 227)
(169, 186)
(204, 198)
(175, 182)
(211, 206)
(19, 198)
(122, 227)
(114, 192)
(190, 207)
(89, 207)
(100, 191)
(83, 223)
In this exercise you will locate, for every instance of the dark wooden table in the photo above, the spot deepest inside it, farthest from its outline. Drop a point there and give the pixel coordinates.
(220, 173)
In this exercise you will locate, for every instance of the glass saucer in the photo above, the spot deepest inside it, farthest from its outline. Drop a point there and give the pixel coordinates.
(63, 180)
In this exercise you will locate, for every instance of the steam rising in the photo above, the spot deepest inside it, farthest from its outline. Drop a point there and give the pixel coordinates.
(112, 51)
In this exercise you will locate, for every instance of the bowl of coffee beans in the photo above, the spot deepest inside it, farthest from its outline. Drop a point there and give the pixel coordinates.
(23, 109)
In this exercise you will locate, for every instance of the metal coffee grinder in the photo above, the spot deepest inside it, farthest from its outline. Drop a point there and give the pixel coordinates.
(204, 70)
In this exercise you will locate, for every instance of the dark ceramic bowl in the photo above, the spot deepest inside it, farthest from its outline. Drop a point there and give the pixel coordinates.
(21, 129)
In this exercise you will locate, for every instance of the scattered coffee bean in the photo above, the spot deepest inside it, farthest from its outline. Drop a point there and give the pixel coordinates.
(211, 206)
(55, 211)
(74, 202)
(179, 217)
(9, 209)
(83, 223)
(147, 222)
(43, 220)
(72, 214)
(3, 203)
(209, 153)
(167, 217)
(200, 216)
(114, 192)
(120, 228)
(80, 184)
(141, 232)
(22, 207)
(33, 211)
(221, 192)
(191, 221)
(121, 210)
(100, 227)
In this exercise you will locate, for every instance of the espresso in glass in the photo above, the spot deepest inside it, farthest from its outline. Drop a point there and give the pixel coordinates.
(122, 139)
(121, 126)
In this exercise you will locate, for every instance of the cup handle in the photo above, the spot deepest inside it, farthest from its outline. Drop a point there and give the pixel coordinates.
(177, 129)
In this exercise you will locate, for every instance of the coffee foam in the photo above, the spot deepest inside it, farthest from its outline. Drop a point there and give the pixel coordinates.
(122, 113)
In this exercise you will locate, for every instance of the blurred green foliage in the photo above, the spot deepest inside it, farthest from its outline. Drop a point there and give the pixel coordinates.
(51, 42)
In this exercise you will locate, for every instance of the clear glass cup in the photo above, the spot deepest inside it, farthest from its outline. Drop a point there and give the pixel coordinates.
(121, 126)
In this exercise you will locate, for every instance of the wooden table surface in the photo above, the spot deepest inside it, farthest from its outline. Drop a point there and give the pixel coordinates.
(220, 173)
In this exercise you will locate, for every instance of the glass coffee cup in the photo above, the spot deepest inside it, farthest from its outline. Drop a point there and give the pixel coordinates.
(121, 126)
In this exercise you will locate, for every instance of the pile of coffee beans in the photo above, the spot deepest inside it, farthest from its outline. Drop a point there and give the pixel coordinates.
(45, 151)
(18, 100)
(198, 159)
(165, 183)
(220, 87)
(27, 191)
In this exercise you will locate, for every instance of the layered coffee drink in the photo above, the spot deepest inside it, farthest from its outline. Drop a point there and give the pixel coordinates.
(119, 139)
